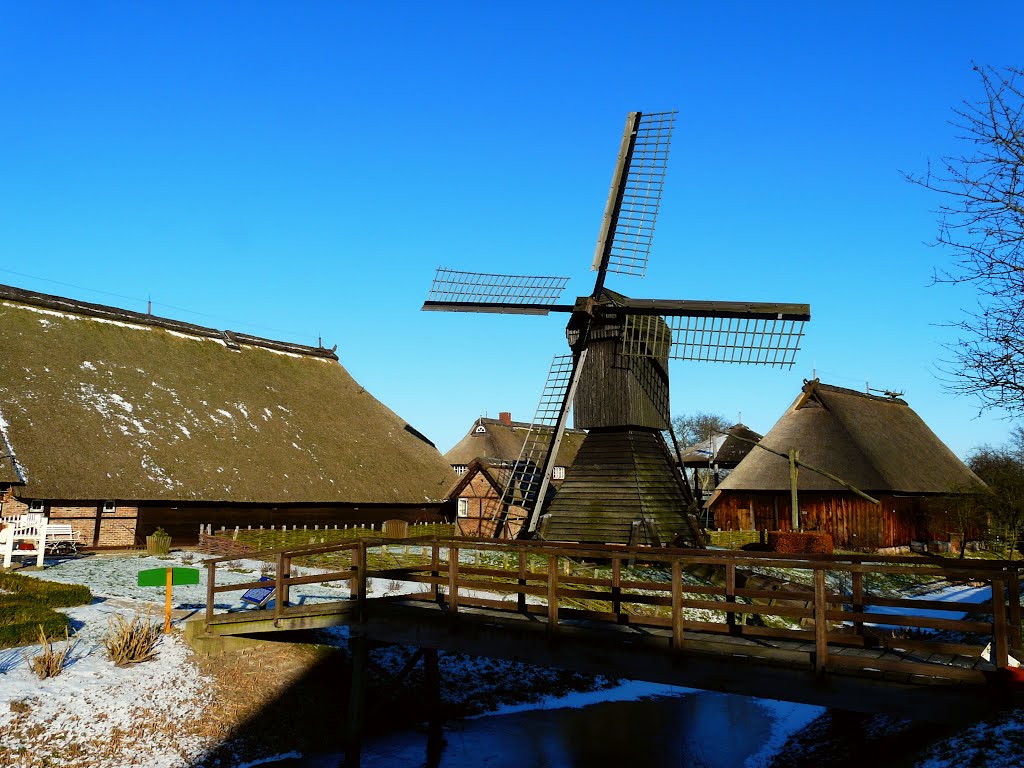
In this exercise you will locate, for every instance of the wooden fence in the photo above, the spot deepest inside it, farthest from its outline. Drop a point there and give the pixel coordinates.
(532, 576)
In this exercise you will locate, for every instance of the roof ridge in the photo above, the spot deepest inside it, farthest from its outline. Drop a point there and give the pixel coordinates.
(858, 393)
(106, 312)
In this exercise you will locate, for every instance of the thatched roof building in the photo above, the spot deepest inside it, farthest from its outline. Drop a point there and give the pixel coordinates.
(724, 449)
(99, 404)
(502, 439)
(877, 444)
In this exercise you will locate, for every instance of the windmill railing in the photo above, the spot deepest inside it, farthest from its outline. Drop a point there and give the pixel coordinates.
(824, 602)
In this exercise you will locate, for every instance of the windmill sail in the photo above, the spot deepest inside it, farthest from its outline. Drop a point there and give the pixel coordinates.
(457, 291)
(525, 483)
(627, 229)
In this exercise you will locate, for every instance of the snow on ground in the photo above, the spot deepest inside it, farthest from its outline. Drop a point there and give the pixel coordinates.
(102, 704)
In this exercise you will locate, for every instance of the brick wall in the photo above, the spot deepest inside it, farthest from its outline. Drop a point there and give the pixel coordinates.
(95, 527)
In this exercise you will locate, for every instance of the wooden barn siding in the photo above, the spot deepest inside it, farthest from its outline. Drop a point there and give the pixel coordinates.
(850, 520)
(182, 521)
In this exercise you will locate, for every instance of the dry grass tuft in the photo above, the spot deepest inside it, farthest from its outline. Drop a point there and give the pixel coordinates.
(130, 642)
(50, 662)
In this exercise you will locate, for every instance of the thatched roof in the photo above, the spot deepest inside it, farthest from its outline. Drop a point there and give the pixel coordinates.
(100, 403)
(874, 443)
(726, 449)
(494, 439)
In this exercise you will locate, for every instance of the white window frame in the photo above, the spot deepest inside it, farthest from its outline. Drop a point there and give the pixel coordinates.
(558, 473)
(480, 430)
(36, 505)
(463, 507)
(109, 507)
(460, 469)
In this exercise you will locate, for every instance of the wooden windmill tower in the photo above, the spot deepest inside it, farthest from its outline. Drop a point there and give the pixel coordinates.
(623, 485)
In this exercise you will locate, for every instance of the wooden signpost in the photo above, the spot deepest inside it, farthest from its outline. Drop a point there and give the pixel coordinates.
(168, 577)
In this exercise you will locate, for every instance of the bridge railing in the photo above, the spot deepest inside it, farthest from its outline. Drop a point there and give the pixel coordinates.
(824, 600)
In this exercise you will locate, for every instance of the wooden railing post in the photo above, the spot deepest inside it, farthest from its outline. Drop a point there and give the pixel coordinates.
(820, 622)
(453, 579)
(1013, 594)
(278, 588)
(552, 594)
(211, 580)
(858, 600)
(677, 605)
(617, 589)
(521, 597)
(357, 584)
(435, 559)
(1000, 652)
(730, 596)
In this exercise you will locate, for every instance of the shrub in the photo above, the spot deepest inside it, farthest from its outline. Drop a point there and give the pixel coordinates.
(50, 662)
(795, 543)
(130, 642)
(26, 607)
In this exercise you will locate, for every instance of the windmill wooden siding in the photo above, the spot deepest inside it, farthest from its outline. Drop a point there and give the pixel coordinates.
(619, 477)
(620, 391)
(877, 444)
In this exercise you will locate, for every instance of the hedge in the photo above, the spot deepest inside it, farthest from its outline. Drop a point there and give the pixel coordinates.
(794, 543)
(27, 603)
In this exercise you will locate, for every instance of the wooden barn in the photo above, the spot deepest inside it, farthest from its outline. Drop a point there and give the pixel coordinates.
(484, 458)
(877, 444)
(118, 422)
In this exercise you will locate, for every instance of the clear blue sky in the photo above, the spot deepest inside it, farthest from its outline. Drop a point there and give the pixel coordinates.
(300, 169)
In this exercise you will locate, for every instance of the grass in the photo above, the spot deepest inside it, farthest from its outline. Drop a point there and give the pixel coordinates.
(26, 608)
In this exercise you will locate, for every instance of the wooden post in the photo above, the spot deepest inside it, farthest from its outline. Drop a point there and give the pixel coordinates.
(435, 723)
(285, 587)
(522, 579)
(617, 589)
(435, 559)
(730, 596)
(359, 650)
(1013, 594)
(820, 622)
(552, 594)
(211, 577)
(858, 600)
(279, 589)
(167, 601)
(794, 511)
(453, 580)
(677, 605)
(1000, 652)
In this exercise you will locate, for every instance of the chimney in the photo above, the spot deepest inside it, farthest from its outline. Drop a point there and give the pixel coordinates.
(505, 417)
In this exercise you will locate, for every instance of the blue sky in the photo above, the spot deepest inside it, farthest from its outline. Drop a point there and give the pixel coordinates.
(300, 169)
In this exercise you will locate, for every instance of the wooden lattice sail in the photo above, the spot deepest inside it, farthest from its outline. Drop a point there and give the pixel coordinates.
(624, 485)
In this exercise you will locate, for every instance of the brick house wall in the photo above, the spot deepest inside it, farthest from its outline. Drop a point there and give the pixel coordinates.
(96, 526)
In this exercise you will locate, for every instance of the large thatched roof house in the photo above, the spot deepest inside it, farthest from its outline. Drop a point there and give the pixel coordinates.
(119, 422)
(879, 445)
(483, 460)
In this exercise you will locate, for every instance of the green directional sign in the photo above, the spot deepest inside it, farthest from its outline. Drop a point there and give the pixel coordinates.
(157, 577)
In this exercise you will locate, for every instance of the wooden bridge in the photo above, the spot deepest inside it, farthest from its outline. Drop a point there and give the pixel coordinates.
(788, 627)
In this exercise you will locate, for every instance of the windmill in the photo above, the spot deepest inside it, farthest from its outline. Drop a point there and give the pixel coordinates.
(623, 485)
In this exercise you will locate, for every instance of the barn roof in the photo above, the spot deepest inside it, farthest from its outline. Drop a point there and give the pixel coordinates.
(726, 449)
(495, 439)
(102, 403)
(874, 443)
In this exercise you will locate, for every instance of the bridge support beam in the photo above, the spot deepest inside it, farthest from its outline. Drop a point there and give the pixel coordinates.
(358, 646)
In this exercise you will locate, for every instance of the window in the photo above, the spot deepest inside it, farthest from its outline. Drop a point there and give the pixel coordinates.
(36, 505)
(480, 429)
(558, 473)
(460, 469)
(463, 507)
(109, 507)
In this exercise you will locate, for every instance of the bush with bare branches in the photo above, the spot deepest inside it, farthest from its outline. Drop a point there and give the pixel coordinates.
(131, 641)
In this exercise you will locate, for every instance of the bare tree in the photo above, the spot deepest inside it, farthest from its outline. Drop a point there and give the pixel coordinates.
(697, 427)
(1002, 469)
(982, 223)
